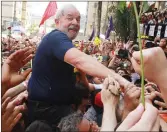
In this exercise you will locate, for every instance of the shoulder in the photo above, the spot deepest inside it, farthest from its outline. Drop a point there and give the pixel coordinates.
(57, 34)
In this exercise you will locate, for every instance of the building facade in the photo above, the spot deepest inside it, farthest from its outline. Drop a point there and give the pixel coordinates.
(7, 14)
(92, 16)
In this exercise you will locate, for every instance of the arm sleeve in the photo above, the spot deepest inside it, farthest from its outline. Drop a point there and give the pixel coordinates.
(60, 44)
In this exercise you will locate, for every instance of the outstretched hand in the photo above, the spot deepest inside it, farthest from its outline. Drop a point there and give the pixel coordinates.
(11, 114)
(153, 71)
(140, 120)
(11, 67)
(110, 91)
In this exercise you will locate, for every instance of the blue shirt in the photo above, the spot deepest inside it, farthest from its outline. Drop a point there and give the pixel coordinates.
(52, 79)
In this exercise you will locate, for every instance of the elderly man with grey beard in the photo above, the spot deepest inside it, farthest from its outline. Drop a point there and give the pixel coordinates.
(52, 84)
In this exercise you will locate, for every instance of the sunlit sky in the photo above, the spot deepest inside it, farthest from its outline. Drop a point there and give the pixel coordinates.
(38, 8)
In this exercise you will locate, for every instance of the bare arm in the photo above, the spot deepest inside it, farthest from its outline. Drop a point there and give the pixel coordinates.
(90, 66)
(162, 83)
(12, 92)
(155, 73)
(109, 121)
(111, 64)
(110, 102)
(86, 63)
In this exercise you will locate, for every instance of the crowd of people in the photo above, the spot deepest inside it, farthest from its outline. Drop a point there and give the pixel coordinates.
(154, 18)
(11, 44)
(82, 85)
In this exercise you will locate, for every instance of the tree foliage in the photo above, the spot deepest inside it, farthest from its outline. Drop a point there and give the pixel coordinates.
(125, 23)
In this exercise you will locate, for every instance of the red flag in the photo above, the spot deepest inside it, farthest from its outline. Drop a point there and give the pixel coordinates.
(50, 11)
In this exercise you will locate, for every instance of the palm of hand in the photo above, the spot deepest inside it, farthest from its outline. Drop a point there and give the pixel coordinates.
(11, 67)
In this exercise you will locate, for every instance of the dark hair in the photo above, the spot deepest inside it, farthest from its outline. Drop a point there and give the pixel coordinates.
(127, 77)
(138, 82)
(119, 68)
(123, 53)
(70, 122)
(90, 78)
(81, 91)
(150, 45)
(39, 126)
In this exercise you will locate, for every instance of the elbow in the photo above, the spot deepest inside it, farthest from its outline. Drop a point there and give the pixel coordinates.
(79, 61)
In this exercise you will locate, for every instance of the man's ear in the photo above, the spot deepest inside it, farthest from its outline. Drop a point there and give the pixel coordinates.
(56, 21)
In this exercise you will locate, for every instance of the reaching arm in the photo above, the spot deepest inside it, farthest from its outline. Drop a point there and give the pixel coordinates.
(90, 66)
(111, 64)
(86, 63)
(154, 71)
(110, 101)
(12, 92)
(109, 121)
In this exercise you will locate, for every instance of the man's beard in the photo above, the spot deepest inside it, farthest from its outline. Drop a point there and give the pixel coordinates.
(67, 32)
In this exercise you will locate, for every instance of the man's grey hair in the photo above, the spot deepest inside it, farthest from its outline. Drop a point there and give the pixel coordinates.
(71, 122)
(60, 12)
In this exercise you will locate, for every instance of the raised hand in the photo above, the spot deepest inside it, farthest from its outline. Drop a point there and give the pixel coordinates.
(110, 91)
(11, 114)
(131, 98)
(140, 120)
(110, 97)
(11, 67)
(153, 71)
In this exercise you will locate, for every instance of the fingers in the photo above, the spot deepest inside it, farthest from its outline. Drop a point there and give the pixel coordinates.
(26, 60)
(5, 103)
(149, 89)
(14, 55)
(17, 79)
(114, 86)
(161, 104)
(26, 73)
(149, 97)
(10, 107)
(22, 96)
(148, 118)
(15, 121)
(158, 94)
(14, 114)
(132, 118)
(106, 83)
(162, 111)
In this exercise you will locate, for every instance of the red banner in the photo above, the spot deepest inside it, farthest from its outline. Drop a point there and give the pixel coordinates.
(50, 11)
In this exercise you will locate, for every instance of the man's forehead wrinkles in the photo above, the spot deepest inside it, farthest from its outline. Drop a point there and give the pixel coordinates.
(68, 14)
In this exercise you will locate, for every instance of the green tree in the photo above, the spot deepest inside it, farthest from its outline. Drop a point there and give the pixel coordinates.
(125, 23)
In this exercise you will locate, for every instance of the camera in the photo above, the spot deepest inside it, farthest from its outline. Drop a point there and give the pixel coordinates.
(122, 54)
